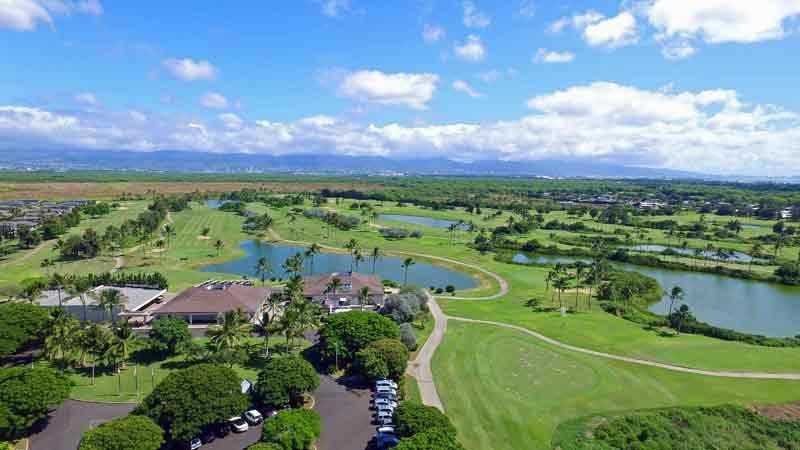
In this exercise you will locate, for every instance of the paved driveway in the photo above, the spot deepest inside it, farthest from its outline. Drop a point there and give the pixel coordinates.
(345, 416)
(67, 424)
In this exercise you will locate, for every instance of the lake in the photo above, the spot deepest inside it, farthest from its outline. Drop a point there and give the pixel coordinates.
(386, 267)
(421, 220)
(747, 306)
(734, 256)
(215, 203)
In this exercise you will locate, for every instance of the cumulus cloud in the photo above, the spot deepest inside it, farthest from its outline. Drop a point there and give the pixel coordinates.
(545, 56)
(473, 17)
(214, 100)
(432, 33)
(190, 70)
(720, 21)
(86, 98)
(463, 86)
(334, 8)
(26, 15)
(618, 31)
(558, 26)
(472, 50)
(711, 131)
(412, 90)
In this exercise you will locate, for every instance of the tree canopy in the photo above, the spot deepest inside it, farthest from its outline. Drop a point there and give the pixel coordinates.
(170, 334)
(430, 440)
(127, 433)
(189, 399)
(384, 358)
(347, 333)
(296, 429)
(284, 380)
(20, 324)
(26, 396)
(412, 418)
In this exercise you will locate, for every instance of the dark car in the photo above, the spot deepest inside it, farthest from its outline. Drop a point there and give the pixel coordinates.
(222, 430)
(208, 436)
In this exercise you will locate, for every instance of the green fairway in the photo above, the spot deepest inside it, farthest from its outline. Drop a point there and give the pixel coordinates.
(506, 391)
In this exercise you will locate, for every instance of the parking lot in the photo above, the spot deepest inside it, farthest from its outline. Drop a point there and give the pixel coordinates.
(346, 417)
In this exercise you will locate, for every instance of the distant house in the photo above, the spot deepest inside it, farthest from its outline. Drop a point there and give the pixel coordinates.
(346, 296)
(786, 213)
(137, 302)
(202, 304)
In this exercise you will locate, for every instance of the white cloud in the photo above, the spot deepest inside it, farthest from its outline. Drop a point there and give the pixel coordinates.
(190, 70)
(581, 21)
(214, 100)
(413, 90)
(614, 32)
(231, 121)
(472, 50)
(720, 21)
(474, 18)
(527, 9)
(463, 86)
(712, 131)
(558, 26)
(432, 33)
(22, 15)
(552, 57)
(86, 98)
(333, 8)
(677, 49)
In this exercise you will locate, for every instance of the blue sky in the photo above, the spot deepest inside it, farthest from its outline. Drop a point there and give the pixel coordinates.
(662, 83)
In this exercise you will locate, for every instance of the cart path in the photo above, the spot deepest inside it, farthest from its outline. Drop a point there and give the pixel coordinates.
(420, 367)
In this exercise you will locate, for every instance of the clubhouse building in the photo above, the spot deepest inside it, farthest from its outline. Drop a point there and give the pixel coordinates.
(346, 292)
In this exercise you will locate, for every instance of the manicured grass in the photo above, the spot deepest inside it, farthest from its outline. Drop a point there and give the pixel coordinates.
(412, 390)
(422, 330)
(137, 380)
(506, 391)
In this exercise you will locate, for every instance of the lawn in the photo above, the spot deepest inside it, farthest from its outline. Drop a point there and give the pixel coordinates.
(504, 390)
(137, 380)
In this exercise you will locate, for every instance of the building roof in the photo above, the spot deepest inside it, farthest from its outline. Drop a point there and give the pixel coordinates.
(133, 298)
(351, 283)
(213, 300)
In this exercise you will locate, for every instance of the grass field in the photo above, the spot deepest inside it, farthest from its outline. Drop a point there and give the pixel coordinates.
(504, 390)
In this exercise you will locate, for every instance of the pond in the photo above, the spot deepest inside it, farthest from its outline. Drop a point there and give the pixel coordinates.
(734, 255)
(523, 258)
(747, 306)
(386, 267)
(215, 203)
(421, 220)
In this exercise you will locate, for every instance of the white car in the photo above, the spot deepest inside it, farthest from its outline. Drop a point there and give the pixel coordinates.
(385, 430)
(195, 443)
(253, 417)
(384, 382)
(385, 401)
(238, 424)
(386, 390)
(389, 409)
(383, 417)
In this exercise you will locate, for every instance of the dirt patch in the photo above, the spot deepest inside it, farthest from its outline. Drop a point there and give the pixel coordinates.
(203, 238)
(58, 190)
(789, 411)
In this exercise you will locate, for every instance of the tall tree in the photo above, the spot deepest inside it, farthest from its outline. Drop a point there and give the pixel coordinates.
(407, 263)
(376, 253)
(231, 333)
(262, 269)
(108, 300)
(675, 296)
(219, 245)
(311, 252)
(80, 287)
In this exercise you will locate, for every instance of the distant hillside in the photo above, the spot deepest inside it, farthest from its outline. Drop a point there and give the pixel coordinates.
(182, 161)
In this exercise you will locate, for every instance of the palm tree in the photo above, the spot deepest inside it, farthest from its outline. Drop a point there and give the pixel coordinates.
(80, 288)
(108, 300)
(407, 263)
(560, 284)
(580, 268)
(376, 253)
(219, 245)
(334, 284)
(124, 341)
(231, 332)
(357, 258)
(270, 312)
(262, 269)
(681, 316)
(60, 341)
(312, 251)
(57, 282)
(675, 295)
(169, 231)
(294, 264)
(451, 229)
(363, 296)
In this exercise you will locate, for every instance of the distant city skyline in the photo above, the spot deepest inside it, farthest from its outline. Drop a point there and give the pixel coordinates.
(675, 84)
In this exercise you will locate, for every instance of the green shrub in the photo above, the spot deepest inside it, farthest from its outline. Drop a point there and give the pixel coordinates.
(296, 429)
(346, 333)
(284, 380)
(127, 433)
(411, 418)
(384, 358)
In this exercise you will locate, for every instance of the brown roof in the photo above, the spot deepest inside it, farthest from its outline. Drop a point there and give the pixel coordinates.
(318, 284)
(199, 300)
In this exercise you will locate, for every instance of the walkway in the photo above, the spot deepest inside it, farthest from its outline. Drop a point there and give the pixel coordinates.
(420, 367)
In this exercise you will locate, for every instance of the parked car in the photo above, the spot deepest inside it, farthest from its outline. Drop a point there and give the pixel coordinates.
(385, 390)
(385, 430)
(194, 444)
(385, 382)
(207, 436)
(222, 430)
(385, 395)
(253, 417)
(383, 418)
(380, 408)
(385, 440)
(384, 401)
(238, 424)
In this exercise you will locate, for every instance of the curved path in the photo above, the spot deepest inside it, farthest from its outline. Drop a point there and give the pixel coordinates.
(420, 367)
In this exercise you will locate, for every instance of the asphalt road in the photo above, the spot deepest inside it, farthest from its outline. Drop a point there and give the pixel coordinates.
(345, 416)
(68, 423)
